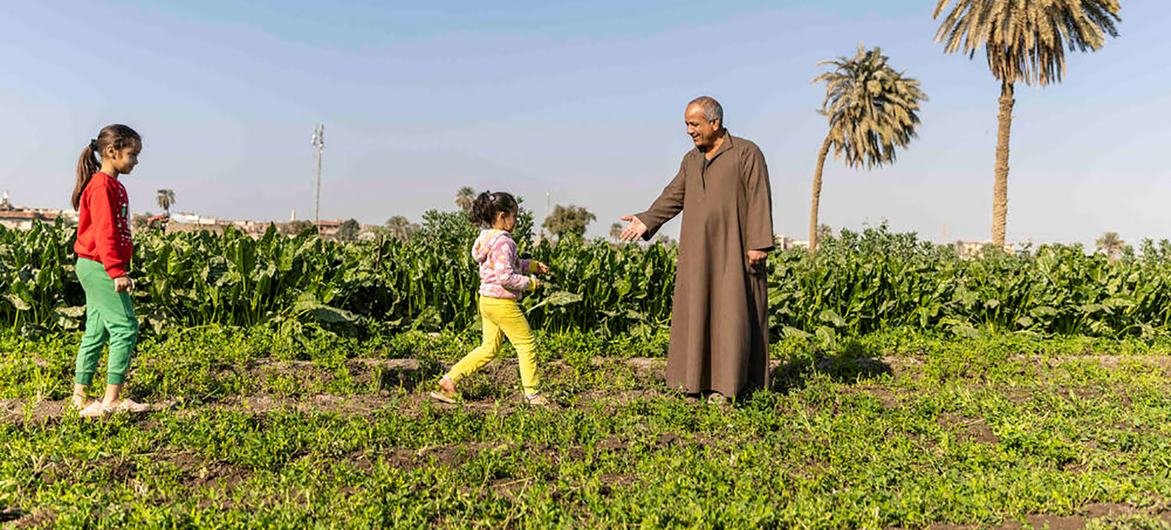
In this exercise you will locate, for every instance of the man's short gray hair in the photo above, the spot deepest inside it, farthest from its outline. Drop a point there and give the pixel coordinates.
(712, 110)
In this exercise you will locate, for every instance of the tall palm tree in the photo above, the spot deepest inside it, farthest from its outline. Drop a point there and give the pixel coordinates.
(166, 198)
(1024, 40)
(871, 108)
(465, 197)
(1110, 245)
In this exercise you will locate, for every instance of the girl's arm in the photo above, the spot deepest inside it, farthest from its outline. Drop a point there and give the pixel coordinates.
(530, 266)
(101, 210)
(500, 258)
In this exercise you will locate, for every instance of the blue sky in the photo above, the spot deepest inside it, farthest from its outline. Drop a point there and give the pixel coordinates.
(580, 101)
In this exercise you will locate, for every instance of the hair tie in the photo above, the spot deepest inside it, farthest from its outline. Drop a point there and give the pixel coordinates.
(93, 144)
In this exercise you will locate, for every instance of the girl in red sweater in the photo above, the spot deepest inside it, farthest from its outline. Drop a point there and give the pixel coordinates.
(104, 250)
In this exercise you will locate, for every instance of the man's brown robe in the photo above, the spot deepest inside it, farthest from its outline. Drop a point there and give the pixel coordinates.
(719, 322)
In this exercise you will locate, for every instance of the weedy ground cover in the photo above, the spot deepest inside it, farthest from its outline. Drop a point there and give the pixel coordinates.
(894, 429)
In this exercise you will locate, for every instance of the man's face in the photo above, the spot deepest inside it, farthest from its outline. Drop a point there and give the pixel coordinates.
(702, 131)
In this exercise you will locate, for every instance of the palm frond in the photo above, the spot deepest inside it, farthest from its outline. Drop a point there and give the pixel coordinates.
(1025, 40)
(872, 109)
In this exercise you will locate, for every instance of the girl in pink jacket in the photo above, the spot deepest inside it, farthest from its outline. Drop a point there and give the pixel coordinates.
(503, 280)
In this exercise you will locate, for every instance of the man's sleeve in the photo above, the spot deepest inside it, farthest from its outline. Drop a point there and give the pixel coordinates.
(759, 219)
(667, 206)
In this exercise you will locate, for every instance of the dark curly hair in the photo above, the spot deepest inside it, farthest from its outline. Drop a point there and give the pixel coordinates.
(490, 204)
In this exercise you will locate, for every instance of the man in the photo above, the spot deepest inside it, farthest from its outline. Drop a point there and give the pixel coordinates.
(719, 322)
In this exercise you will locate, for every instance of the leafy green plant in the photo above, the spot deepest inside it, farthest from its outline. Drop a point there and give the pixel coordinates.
(859, 283)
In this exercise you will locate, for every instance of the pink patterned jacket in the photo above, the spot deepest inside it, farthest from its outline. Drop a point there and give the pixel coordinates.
(500, 270)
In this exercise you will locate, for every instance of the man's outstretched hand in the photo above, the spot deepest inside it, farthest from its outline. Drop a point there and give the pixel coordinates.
(756, 256)
(635, 228)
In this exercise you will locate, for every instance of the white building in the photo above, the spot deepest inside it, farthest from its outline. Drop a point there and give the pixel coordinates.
(20, 218)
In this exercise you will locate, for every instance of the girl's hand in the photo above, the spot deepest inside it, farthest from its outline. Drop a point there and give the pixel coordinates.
(540, 268)
(123, 284)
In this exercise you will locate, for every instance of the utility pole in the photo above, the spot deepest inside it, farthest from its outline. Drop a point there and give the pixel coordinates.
(319, 144)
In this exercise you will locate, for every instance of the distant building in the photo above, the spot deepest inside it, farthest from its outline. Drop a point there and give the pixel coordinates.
(23, 219)
(186, 222)
(784, 242)
(189, 222)
(19, 218)
(329, 228)
(975, 249)
(193, 219)
(256, 229)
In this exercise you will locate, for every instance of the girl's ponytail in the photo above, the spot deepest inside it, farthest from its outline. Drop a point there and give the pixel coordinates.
(87, 165)
(480, 214)
(117, 135)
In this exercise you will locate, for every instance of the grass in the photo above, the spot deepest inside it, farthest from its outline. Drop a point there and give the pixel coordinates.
(892, 430)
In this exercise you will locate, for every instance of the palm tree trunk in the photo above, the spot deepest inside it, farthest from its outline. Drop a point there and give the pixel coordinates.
(815, 203)
(1000, 188)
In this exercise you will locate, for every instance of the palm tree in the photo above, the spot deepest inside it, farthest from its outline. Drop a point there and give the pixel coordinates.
(400, 227)
(824, 232)
(166, 198)
(465, 197)
(615, 231)
(1110, 245)
(1024, 40)
(871, 110)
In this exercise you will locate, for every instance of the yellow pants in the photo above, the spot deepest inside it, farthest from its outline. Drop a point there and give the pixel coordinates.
(502, 317)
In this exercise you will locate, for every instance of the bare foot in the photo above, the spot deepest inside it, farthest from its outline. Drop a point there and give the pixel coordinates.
(94, 410)
(447, 386)
(446, 392)
(537, 400)
(80, 402)
(127, 405)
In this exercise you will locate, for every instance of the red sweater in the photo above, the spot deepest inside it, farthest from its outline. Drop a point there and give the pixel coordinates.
(103, 225)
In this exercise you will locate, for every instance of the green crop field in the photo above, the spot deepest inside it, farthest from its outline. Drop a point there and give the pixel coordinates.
(911, 388)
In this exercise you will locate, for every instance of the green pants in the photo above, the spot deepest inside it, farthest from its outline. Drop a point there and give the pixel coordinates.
(108, 315)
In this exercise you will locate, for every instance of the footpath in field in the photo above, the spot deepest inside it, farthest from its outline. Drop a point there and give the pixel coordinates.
(951, 439)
